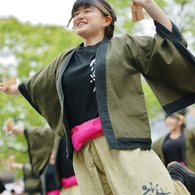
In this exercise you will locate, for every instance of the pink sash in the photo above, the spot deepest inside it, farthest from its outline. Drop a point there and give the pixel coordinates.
(183, 163)
(69, 182)
(54, 192)
(86, 131)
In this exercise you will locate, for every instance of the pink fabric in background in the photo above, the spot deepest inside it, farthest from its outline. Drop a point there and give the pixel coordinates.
(69, 182)
(54, 192)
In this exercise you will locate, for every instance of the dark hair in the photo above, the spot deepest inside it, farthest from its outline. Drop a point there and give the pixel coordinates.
(104, 7)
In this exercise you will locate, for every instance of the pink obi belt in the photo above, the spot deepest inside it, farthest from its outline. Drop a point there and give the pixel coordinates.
(69, 182)
(53, 192)
(85, 132)
(183, 163)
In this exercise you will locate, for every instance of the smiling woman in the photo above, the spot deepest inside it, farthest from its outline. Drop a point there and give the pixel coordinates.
(84, 12)
(89, 29)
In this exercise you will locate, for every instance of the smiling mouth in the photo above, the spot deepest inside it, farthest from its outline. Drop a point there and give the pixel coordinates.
(80, 24)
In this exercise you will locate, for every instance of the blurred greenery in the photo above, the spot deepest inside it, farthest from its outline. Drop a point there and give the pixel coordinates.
(31, 47)
(26, 48)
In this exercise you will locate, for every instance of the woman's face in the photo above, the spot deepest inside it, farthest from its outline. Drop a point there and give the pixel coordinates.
(173, 123)
(88, 21)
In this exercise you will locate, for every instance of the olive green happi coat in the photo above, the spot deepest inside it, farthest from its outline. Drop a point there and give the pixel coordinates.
(40, 142)
(32, 185)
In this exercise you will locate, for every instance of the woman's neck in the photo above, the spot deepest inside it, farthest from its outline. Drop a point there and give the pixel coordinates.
(92, 41)
(175, 134)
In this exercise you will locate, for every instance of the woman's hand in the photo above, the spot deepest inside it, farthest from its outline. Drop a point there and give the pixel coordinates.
(12, 164)
(9, 86)
(11, 129)
(11, 90)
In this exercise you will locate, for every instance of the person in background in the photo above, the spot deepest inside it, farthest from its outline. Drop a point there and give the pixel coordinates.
(48, 177)
(32, 186)
(96, 94)
(177, 145)
(55, 173)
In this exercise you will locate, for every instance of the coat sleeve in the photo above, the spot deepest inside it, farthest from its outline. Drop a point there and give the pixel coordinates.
(40, 141)
(32, 185)
(40, 91)
(168, 67)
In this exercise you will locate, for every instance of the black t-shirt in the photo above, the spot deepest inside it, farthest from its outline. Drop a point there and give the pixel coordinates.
(50, 182)
(78, 82)
(64, 166)
(172, 149)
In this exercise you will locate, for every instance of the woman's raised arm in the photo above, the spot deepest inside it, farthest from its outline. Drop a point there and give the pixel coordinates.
(155, 12)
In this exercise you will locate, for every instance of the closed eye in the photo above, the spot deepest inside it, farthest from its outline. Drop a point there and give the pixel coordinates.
(86, 10)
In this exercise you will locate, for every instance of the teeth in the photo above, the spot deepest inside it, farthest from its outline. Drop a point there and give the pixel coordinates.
(81, 23)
